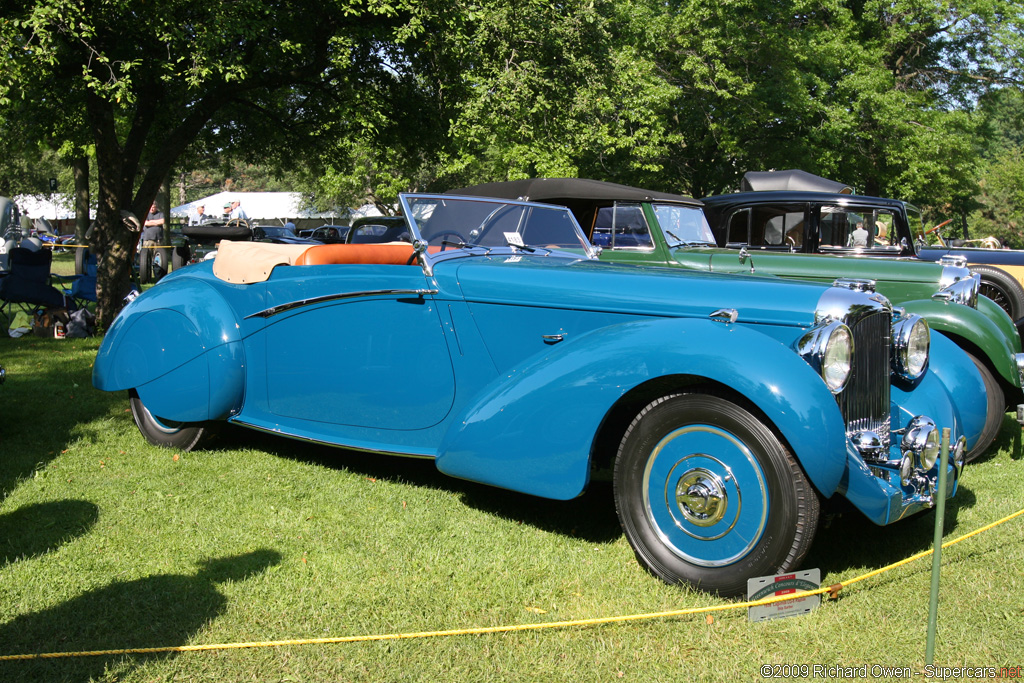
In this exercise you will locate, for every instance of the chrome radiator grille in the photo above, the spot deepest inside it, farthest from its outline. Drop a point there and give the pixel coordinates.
(865, 400)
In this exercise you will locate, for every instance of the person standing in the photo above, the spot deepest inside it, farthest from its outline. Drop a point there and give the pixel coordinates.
(238, 212)
(200, 215)
(153, 230)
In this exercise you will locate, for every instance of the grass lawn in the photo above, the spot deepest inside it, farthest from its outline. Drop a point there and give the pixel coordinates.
(107, 542)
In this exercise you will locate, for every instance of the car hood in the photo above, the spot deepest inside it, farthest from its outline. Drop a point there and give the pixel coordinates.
(811, 266)
(592, 285)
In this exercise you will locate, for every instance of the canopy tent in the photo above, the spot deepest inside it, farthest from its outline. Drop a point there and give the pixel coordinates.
(270, 208)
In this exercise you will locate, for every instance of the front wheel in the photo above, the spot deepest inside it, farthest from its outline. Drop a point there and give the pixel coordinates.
(995, 403)
(184, 436)
(1002, 288)
(709, 495)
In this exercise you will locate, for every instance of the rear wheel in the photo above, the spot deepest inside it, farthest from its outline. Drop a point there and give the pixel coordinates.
(180, 257)
(167, 433)
(161, 263)
(145, 265)
(707, 494)
(995, 410)
(1002, 288)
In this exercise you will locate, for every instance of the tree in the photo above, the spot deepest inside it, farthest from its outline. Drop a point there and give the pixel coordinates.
(867, 92)
(142, 82)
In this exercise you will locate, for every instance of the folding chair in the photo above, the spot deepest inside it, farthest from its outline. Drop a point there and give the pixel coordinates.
(26, 284)
(82, 288)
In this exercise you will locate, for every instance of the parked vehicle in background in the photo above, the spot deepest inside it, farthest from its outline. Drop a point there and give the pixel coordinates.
(326, 234)
(376, 229)
(495, 343)
(817, 215)
(639, 226)
(195, 243)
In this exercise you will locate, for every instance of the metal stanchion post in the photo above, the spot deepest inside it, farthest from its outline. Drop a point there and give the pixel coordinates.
(940, 514)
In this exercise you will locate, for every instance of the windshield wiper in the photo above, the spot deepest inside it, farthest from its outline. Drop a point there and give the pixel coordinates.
(683, 243)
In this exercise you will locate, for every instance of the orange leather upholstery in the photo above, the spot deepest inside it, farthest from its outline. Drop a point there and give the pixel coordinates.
(385, 254)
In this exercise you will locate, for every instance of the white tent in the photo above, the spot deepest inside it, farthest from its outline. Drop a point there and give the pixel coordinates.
(265, 207)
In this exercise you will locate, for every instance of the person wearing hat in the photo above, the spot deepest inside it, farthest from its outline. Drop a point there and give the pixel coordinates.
(227, 211)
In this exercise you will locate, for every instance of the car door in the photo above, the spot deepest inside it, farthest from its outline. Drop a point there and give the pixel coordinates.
(357, 345)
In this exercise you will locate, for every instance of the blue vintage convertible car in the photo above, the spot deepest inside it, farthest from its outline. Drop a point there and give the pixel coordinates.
(495, 343)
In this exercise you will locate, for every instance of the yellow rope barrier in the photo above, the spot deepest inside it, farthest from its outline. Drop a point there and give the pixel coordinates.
(831, 590)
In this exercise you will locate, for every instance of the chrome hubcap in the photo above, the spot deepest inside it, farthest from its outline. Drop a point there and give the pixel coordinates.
(701, 497)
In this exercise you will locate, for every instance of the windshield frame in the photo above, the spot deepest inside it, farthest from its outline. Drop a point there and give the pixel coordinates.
(409, 201)
(673, 240)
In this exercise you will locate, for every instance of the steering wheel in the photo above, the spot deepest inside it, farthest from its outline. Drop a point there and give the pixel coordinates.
(943, 223)
(939, 235)
(445, 234)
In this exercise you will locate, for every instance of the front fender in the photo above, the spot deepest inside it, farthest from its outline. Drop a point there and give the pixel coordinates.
(179, 347)
(533, 429)
(991, 331)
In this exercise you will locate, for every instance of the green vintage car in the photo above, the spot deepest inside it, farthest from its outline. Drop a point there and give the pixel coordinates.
(638, 226)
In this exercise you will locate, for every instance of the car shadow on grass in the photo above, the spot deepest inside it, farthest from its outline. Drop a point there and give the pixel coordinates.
(847, 539)
(34, 530)
(590, 516)
(153, 612)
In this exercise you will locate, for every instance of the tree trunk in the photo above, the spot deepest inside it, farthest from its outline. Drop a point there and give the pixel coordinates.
(80, 170)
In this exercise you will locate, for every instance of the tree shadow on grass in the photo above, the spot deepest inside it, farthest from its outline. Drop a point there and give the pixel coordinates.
(157, 611)
(46, 405)
(34, 530)
(590, 516)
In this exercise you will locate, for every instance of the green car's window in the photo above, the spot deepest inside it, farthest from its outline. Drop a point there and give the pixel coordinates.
(621, 226)
(683, 224)
(857, 227)
(769, 226)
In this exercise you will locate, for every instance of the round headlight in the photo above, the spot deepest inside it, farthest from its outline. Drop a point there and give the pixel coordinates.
(828, 348)
(911, 342)
(837, 359)
(922, 441)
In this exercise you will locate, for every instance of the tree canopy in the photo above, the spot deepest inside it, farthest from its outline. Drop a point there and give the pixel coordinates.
(363, 100)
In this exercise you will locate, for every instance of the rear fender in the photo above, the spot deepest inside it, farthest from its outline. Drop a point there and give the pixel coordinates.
(990, 331)
(533, 429)
(179, 347)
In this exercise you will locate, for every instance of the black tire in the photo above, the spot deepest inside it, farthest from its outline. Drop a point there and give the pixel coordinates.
(1002, 288)
(995, 410)
(180, 258)
(161, 263)
(184, 436)
(751, 510)
(145, 265)
(81, 259)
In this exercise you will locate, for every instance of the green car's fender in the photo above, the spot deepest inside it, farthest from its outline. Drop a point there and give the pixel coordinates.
(996, 344)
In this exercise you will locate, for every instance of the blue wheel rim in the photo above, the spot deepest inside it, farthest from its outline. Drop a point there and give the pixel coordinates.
(706, 496)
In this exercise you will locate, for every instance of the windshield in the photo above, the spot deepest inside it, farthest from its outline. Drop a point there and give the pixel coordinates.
(915, 221)
(483, 222)
(683, 225)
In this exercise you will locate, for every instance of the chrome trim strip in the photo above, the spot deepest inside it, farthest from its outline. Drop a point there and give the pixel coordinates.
(274, 310)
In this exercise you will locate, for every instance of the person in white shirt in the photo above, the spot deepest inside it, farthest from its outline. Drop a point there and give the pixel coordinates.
(238, 212)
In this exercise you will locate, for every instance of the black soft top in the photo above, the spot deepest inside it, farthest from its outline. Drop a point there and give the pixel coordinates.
(554, 189)
(793, 179)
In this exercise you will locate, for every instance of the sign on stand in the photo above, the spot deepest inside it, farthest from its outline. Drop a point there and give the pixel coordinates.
(770, 586)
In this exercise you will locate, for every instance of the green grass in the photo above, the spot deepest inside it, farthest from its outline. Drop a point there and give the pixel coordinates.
(107, 542)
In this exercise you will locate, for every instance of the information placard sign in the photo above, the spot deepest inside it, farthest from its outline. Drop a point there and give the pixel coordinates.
(783, 584)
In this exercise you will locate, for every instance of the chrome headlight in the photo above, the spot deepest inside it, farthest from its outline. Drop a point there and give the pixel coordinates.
(828, 348)
(960, 286)
(911, 340)
(921, 440)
